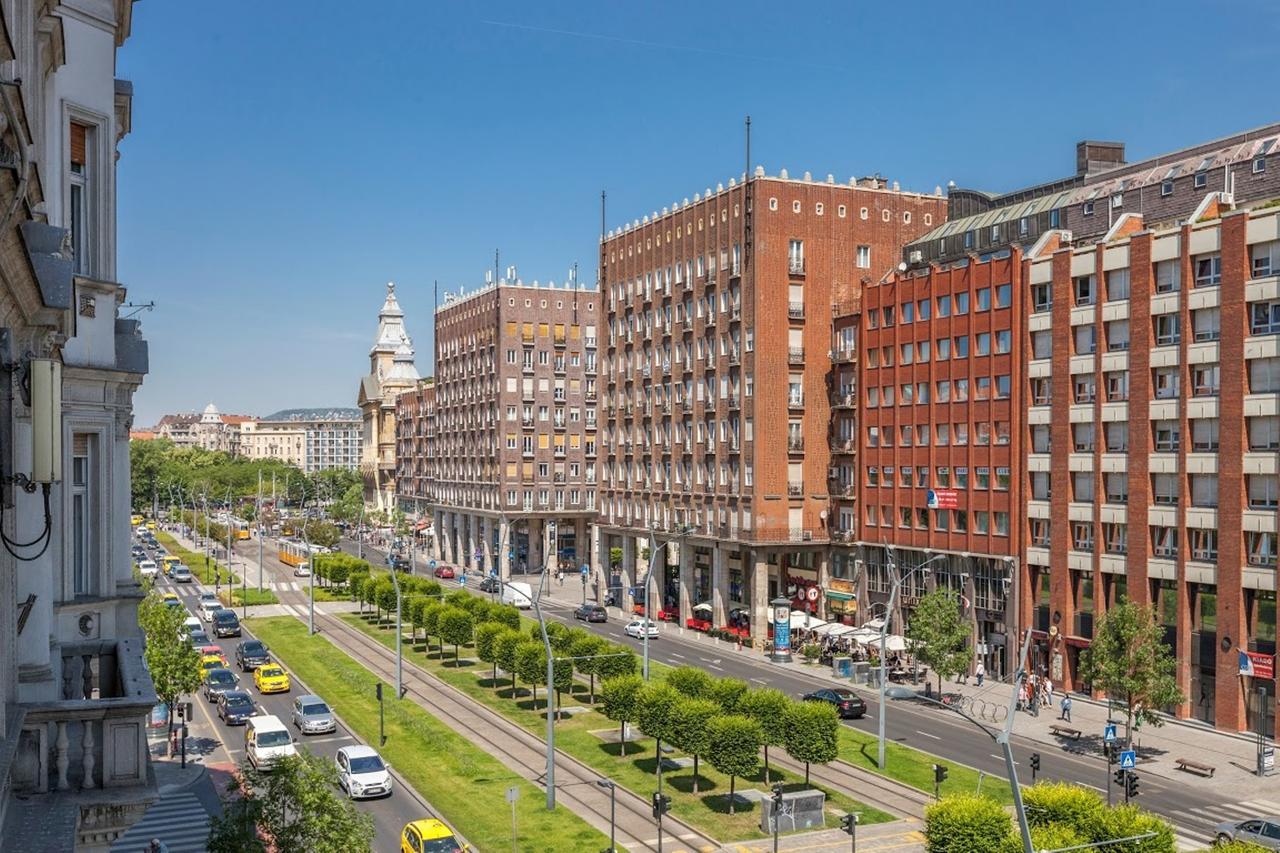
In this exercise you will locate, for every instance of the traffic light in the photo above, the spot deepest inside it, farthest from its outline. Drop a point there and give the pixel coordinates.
(1035, 765)
(378, 688)
(939, 774)
(1131, 785)
(1121, 775)
(777, 796)
(661, 805)
(848, 822)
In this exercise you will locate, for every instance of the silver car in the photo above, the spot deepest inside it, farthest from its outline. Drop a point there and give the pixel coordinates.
(1262, 831)
(312, 716)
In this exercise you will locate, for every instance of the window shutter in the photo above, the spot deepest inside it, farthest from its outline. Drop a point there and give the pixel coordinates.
(78, 135)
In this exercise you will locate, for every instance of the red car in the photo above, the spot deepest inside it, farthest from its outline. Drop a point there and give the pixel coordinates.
(444, 572)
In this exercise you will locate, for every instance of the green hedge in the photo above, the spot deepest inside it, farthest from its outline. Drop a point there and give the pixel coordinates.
(965, 823)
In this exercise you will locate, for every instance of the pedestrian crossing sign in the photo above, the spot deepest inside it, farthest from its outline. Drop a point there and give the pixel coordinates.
(1109, 732)
(1128, 759)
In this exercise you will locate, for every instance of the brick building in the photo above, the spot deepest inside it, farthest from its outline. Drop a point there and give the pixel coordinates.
(415, 448)
(1132, 370)
(515, 411)
(715, 384)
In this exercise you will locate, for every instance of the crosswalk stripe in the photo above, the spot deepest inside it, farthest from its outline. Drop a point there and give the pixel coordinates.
(179, 820)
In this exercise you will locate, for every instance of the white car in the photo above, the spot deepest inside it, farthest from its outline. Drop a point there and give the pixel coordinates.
(208, 604)
(637, 628)
(148, 568)
(362, 772)
(302, 570)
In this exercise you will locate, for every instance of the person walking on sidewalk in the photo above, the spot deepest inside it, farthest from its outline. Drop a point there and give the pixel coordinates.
(1066, 707)
(980, 672)
(1048, 692)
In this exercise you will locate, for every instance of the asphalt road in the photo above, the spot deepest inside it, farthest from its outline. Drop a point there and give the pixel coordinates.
(390, 814)
(1193, 810)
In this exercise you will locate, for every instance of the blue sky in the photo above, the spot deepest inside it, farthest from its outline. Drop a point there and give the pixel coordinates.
(288, 159)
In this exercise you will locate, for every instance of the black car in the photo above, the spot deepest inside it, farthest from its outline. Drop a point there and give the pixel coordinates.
(252, 654)
(225, 623)
(236, 706)
(490, 584)
(217, 682)
(847, 703)
(590, 613)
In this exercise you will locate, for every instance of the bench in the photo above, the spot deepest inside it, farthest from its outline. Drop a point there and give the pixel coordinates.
(1195, 767)
(1065, 731)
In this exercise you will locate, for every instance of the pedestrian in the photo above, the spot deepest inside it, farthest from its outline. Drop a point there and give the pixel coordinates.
(1048, 693)
(980, 672)
(1066, 707)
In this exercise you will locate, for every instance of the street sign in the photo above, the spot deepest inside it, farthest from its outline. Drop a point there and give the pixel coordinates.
(479, 554)
(1109, 732)
(586, 570)
(513, 794)
(1128, 759)
(431, 564)
(812, 594)
(462, 579)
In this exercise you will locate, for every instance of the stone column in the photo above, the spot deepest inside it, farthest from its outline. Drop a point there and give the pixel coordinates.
(536, 534)
(442, 537)
(759, 606)
(437, 525)
(599, 563)
(486, 546)
(719, 586)
(686, 580)
(625, 600)
(824, 581)
(504, 549)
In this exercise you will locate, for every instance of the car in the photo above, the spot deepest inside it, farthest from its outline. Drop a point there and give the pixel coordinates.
(189, 625)
(271, 678)
(217, 681)
(639, 627)
(312, 716)
(138, 553)
(490, 584)
(302, 570)
(429, 836)
(211, 662)
(590, 613)
(444, 572)
(198, 637)
(235, 707)
(208, 604)
(181, 574)
(266, 741)
(252, 654)
(848, 705)
(212, 649)
(226, 623)
(517, 593)
(168, 563)
(1262, 831)
(148, 568)
(362, 773)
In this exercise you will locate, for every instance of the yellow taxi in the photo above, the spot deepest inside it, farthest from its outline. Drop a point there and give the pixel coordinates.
(208, 662)
(429, 836)
(135, 520)
(168, 562)
(271, 679)
(171, 599)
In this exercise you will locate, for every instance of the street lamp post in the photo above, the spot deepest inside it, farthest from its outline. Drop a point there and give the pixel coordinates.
(884, 627)
(613, 811)
(360, 532)
(655, 548)
(399, 635)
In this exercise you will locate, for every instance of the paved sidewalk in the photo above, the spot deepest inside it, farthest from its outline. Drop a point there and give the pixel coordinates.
(904, 836)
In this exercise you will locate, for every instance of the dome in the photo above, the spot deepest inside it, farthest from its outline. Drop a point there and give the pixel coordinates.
(211, 415)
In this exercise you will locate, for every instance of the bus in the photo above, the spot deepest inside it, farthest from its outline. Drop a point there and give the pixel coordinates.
(296, 553)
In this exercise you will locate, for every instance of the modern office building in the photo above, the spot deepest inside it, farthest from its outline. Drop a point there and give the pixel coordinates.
(718, 352)
(516, 430)
(1118, 346)
(391, 372)
(415, 449)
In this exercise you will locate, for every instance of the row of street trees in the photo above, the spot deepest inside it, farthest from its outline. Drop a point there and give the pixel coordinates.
(174, 663)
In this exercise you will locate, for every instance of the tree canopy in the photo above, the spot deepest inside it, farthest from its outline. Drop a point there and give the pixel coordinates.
(939, 634)
(1129, 661)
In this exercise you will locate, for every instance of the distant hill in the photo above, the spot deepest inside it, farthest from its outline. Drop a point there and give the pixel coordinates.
(334, 414)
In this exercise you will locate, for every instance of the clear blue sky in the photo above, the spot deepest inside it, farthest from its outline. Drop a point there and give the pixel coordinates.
(288, 159)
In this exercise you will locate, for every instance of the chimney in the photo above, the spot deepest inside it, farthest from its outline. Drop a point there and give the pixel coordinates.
(1094, 156)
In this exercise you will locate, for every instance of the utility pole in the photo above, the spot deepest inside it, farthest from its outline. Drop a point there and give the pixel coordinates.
(257, 514)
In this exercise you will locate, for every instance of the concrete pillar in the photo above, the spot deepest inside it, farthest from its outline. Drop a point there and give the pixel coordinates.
(824, 581)
(686, 581)
(719, 587)
(445, 537)
(437, 535)
(625, 599)
(536, 533)
(759, 607)
(599, 563)
(486, 545)
(504, 549)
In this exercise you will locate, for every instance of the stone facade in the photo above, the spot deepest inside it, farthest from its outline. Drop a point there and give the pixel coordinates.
(391, 373)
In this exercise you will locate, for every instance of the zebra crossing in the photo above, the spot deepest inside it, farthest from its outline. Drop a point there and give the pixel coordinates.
(287, 586)
(179, 820)
(1194, 830)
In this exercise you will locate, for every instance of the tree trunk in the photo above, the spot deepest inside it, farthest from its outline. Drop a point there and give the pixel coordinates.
(593, 688)
(657, 755)
(495, 673)
(622, 738)
(806, 774)
(513, 685)
(766, 763)
(455, 656)
(732, 780)
(534, 685)
(559, 704)
(695, 774)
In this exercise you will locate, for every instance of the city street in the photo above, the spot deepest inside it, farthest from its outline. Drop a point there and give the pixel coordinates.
(1194, 808)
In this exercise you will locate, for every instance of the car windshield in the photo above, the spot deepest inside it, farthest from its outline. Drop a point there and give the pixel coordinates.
(221, 676)
(441, 845)
(843, 694)
(254, 648)
(315, 708)
(270, 672)
(225, 616)
(366, 764)
(278, 738)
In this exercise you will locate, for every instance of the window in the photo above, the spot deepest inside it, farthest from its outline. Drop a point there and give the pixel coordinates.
(944, 306)
(1168, 276)
(1117, 436)
(1086, 209)
(1204, 490)
(1265, 258)
(942, 434)
(962, 346)
(981, 522)
(984, 299)
(1117, 486)
(1082, 437)
(864, 257)
(908, 312)
(1086, 339)
(1002, 479)
(1040, 486)
(1168, 329)
(1264, 318)
(1004, 342)
(795, 256)
(1082, 536)
(1041, 438)
(1041, 391)
(943, 393)
(1165, 382)
(1117, 385)
(982, 388)
(83, 507)
(982, 343)
(1208, 270)
(961, 303)
(1004, 295)
(1086, 389)
(1084, 290)
(942, 347)
(1164, 489)
(1041, 297)
(1082, 486)
(1264, 432)
(1259, 166)
(1042, 344)
(962, 478)
(1117, 332)
(1264, 491)
(1167, 436)
(1206, 324)
(1116, 538)
(1204, 435)
(1261, 548)
(1201, 180)
(1166, 188)
(1164, 542)
(1040, 532)
(82, 200)
(1117, 284)
(1264, 375)
(1002, 386)
(922, 309)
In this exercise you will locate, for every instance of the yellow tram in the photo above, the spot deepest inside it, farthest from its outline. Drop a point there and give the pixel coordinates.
(296, 553)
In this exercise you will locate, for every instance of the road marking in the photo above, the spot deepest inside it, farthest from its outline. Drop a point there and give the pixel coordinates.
(330, 739)
(926, 734)
(674, 655)
(759, 681)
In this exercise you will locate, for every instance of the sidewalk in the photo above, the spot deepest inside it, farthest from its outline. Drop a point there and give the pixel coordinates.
(904, 836)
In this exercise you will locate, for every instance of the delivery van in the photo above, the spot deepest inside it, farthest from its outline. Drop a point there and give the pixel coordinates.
(518, 593)
(266, 741)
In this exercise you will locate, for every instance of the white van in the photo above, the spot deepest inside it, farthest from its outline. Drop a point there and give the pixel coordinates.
(266, 741)
(518, 593)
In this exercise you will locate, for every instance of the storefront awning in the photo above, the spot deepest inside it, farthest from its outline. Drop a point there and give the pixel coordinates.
(839, 596)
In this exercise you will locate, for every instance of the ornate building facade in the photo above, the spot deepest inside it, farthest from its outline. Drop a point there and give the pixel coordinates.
(391, 372)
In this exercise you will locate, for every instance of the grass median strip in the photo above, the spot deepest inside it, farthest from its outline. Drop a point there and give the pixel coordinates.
(467, 784)
(915, 768)
(578, 734)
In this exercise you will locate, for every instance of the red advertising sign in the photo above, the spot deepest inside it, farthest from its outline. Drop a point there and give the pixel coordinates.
(943, 499)
(1258, 665)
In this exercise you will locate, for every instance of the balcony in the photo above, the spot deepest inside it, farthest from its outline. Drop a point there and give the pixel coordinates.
(560, 341)
(795, 444)
(844, 401)
(795, 401)
(795, 310)
(842, 356)
(686, 404)
(841, 445)
(527, 423)
(710, 319)
(795, 266)
(735, 357)
(732, 402)
(735, 314)
(795, 355)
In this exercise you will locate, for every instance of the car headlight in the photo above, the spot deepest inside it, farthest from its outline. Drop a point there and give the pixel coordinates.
(356, 787)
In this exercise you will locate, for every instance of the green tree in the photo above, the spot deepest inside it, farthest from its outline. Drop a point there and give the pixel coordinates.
(173, 662)
(584, 651)
(812, 734)
(619, 700)
(1129, 661)
(727, 692)
(431, 621)
(509, 615)
(531, 663)
(966, 823)
(417, 610)
(355, 587)
(690, 681)
(1060, 802)
(691, 728)
(733, 748)
(620, 660)
(299, 806)
(654, 716)
(487, 634)
(387, 595)
(939, 634)
(768, 707)
(323, 533)
(562, 672)
(506, 644)
(455, 628)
